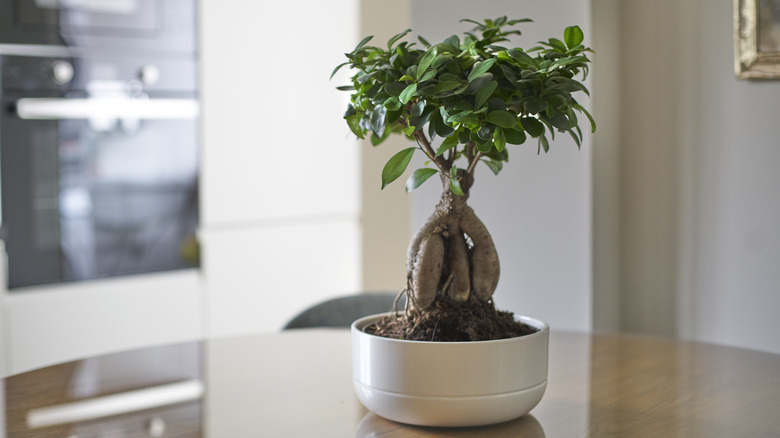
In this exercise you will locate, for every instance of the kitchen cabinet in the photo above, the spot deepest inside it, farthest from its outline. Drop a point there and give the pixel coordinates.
(50, 324)
(280, 217)
(279, 189)
(275, 144)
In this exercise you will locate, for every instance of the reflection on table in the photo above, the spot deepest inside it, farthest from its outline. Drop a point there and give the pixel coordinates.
(298, 383)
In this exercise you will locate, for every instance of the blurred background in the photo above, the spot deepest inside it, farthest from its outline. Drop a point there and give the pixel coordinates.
(665, 223)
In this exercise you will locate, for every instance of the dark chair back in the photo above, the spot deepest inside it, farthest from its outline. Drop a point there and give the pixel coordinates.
(342, 311)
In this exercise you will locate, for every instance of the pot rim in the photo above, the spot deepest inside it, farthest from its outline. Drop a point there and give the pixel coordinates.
(542, 330)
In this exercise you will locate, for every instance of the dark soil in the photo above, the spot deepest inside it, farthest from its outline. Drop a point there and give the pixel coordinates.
(450, 321)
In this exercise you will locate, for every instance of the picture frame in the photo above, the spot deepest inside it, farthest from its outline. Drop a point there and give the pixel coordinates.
(757, 39)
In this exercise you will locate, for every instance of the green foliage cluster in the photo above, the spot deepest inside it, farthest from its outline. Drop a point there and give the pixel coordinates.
(475, 94)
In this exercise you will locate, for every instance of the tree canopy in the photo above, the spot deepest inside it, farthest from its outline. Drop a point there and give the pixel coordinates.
(472, 92)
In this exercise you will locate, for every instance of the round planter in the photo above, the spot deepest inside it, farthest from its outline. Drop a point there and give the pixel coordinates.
(449, 383)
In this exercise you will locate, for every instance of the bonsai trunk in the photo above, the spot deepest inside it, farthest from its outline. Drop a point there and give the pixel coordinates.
(452, 272)
(452, 255)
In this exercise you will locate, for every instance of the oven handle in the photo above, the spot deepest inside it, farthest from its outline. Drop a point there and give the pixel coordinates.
(106, 108)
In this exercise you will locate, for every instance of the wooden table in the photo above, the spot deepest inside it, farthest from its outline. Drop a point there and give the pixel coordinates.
(298, 384)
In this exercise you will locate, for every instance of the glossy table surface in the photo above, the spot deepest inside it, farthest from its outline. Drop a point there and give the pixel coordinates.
(298, 384)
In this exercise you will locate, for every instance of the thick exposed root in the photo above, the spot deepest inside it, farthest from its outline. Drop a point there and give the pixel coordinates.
(427, 270)
(485, 268)
(458, 285)
(440, 262)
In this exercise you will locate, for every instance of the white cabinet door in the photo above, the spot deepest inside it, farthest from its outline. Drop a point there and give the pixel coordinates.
(274, 141)
(259, 278)
(47, 325)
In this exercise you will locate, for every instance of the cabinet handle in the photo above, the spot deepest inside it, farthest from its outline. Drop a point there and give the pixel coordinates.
(123, 403)
(41, 108)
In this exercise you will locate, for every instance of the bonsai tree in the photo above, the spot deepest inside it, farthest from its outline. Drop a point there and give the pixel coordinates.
(464, 101)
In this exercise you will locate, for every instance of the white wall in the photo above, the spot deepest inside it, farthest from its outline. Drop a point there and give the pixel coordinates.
(384, 213)
(699, 154)
(653, 82)
(730, 282)
(605, 92)
(538, 209)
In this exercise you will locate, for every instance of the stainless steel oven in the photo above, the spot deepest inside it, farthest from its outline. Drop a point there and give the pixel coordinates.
(128, 25)
(98, 139)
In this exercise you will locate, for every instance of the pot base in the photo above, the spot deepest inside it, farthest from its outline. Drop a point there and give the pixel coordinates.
(449, 411)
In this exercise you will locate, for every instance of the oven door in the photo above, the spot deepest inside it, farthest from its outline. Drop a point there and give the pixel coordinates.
(127, 24)
(97, 187)
(89, 16)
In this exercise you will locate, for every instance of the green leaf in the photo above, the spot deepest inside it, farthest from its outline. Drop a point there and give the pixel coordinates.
(535, 105)
(494, 165)
(468, 20)
(441, 128)
(454, 183)
(556, 44)
(426, 61)
(447, 86)
(449, 77)
(486, 132)
(447, 144)
(523, 58)
(393, 104)
(418, 177)
(409, 130)
(353, 122)
(587, 114)
(464, 135)
(440, 60)
(485, 146)
(363, 78)
(455, 187)
(378, 117)
(532, 126)
(427, 90)
(338, 67)
(396, 166)
(453, 41)
(465, 117)
(576, 138)
(494, 154)
(395, 88)
(423, 118)
(376, 141)
(428, 76)
(424, 41)
(514, 136)
(499, 139)
(573, 36)
(504, 119)
(484, 93)
(544, 144)
(362, 43)
(560, 121)
(418, 108)
(481, 69)
(479, 82)
(521, 20)
(408, 93)
(397, 37)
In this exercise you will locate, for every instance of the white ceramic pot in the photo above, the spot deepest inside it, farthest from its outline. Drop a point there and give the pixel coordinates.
(449, 383)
